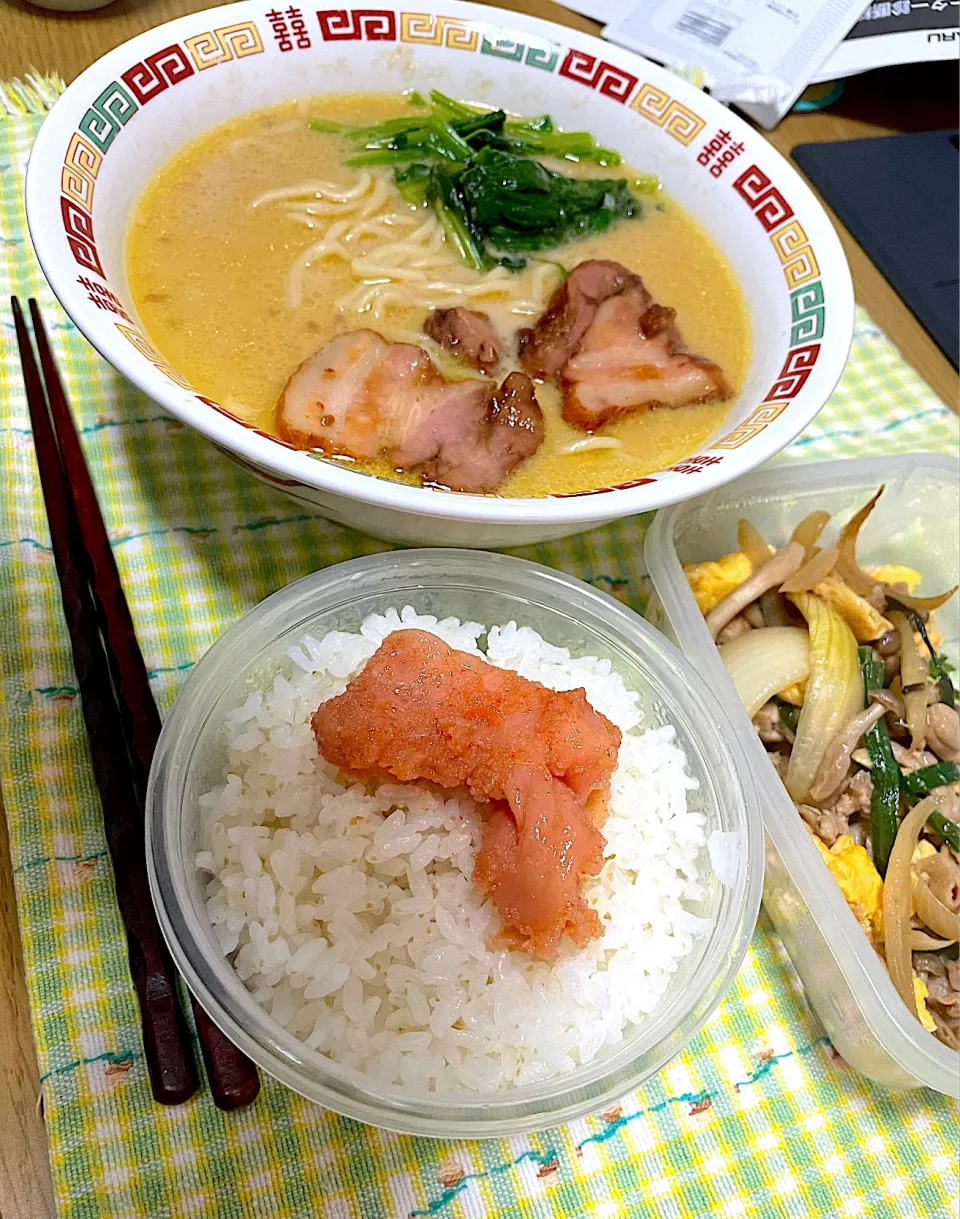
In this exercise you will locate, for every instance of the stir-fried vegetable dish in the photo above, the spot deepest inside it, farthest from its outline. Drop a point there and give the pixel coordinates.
(841, 671)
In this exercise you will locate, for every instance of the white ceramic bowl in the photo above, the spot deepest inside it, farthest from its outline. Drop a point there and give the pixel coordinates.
(481, 588)
(132, 110)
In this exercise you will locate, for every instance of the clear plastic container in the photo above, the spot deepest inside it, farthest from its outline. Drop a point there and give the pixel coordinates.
(488, 588)
(917, 522)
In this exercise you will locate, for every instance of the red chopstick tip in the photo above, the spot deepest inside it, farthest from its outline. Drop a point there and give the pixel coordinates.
(174, 1092)
(234, 1081)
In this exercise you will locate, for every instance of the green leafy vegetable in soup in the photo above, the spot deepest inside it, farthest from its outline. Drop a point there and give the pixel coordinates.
(492, 198)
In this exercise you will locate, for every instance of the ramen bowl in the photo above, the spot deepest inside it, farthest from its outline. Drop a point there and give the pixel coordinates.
(126, 116)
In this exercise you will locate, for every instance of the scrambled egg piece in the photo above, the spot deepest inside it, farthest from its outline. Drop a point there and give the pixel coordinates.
(794, 693)
(923, 850)
(711, 582)
(920, 993)
(865, 622)
(859, 882)
(896, 573)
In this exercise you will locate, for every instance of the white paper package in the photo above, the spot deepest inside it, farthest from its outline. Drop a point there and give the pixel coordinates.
(760, 54)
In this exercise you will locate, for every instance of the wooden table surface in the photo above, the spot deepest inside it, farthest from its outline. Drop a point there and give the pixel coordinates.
(918, 98)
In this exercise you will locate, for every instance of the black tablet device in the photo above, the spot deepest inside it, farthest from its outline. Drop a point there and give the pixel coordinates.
(898, 196)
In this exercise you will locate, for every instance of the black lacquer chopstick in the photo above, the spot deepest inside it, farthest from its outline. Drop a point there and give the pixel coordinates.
(116, 623)
(122, 726)
(234, 1081)
(166, 1040)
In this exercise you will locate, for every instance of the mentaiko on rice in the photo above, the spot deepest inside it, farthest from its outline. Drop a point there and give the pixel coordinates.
(349, 909)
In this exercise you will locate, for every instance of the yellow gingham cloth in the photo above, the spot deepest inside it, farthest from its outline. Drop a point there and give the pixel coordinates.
(758, 1117)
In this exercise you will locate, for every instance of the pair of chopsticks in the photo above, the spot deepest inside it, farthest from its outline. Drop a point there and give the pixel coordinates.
(123, 725)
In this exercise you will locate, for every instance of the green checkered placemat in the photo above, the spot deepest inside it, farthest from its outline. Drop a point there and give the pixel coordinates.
(759, 1117)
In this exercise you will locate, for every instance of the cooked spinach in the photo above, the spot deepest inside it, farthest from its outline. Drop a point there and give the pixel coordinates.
(522, 205)
(497, 206)
(494, 200)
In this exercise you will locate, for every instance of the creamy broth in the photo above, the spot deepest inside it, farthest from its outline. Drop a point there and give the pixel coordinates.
(212, 281)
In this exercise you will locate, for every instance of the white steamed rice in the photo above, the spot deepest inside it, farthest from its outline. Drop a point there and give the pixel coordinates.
(349, 911)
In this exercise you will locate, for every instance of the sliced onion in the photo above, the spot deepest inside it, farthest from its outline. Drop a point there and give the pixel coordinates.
(807, 533)
(865, 620)
(762, 663)
(933, 913)
(862, 582)
(833, 696)
(897, 898)
(818, 566)
(858, 580)
(941, 876)
(921, 942)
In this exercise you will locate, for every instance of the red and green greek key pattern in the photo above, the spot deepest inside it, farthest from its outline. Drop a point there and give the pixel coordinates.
(776, 216)
(78, 229)
(289, 30)
(113, 109)
(157, 72)
(352, 25)
(807, 313)
(457, 34)
(796, 369)
(597, 74)
(807, 306)
(170, 66)
(543, 57)
(228, 42)
(116, 106)
(763, 198)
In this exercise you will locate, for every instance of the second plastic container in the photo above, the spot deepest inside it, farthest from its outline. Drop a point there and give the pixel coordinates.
(917, 522)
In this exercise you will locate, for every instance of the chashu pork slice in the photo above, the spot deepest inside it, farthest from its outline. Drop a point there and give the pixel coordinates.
(466, 334)
(363, 397)
(632, 358)
(615, 350)
(546, 347)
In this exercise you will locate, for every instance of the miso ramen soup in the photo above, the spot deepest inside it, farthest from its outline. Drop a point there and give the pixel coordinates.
(258, 244)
